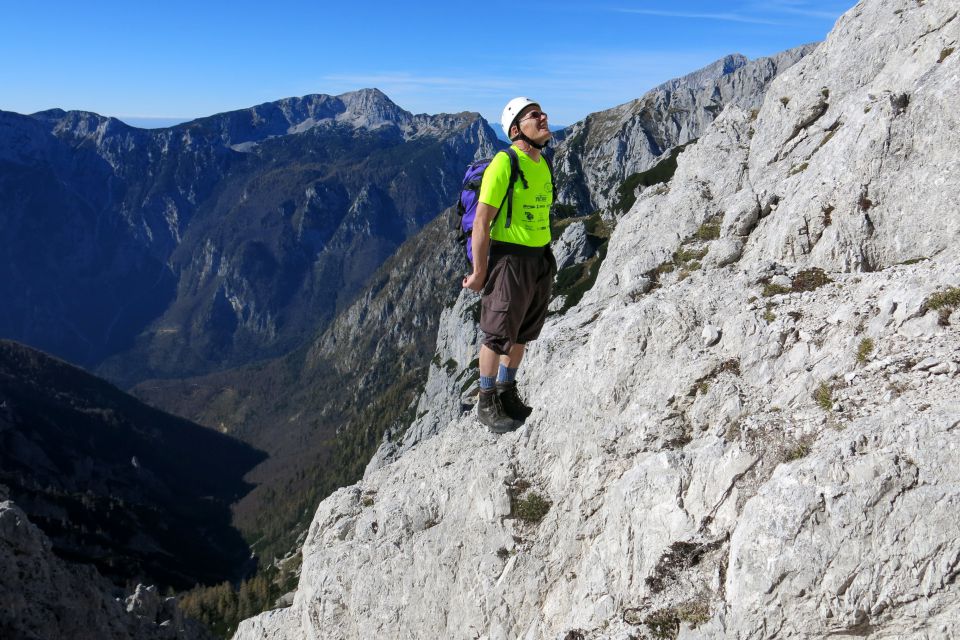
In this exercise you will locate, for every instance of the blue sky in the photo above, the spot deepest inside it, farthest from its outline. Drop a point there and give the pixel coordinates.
(180, 60)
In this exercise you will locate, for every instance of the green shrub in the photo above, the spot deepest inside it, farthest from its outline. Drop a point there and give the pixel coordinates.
(709, 230)
(771, 289)
(949, 298)
(687, 255)
(663, 624)
(797, 451)
(945, 302)
(595, 225)
(864, 350)
(768, 314)
(693, 613)
(809, 280)
(824, 396)
(530, 509)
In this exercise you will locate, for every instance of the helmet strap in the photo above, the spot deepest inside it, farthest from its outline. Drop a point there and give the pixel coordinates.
(525, 138)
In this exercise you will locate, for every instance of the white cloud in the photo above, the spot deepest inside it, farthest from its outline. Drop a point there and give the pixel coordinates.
(727, 17)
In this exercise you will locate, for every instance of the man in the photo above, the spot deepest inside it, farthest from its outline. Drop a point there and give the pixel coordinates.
(512, 262)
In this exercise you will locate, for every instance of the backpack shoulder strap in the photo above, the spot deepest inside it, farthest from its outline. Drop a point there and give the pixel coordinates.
(514, 174)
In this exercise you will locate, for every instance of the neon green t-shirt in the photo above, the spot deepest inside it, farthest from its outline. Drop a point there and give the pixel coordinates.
(530, 224)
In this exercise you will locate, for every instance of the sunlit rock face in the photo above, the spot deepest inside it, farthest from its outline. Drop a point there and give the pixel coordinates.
(747, 428)
(597, 155)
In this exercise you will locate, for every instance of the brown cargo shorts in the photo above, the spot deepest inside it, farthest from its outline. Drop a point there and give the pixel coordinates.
(516, 295)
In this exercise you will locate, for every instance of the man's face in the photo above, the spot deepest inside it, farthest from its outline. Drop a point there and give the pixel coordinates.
(533, 123)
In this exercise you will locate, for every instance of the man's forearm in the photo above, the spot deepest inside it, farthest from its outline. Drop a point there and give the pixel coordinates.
(481, 248)
(480, 240)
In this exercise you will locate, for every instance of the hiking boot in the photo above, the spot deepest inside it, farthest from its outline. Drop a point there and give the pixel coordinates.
(512, 404)
(491, 414)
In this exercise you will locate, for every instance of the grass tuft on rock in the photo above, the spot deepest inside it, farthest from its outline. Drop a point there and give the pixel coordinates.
(530, 509)
(663, 624)
(809, 280)
(823, 396)
(694, 613)
(945, 302)
(799, 449)
(770, 290)
(948, 298)
(709, 230)
(768, 314)
(864, 350)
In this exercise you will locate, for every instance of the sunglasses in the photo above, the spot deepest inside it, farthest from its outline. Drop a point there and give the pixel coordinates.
(534, 115)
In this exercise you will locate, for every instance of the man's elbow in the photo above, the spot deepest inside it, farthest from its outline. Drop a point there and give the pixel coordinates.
(485, 216)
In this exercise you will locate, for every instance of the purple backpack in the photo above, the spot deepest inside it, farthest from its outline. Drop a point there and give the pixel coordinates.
(470, 195)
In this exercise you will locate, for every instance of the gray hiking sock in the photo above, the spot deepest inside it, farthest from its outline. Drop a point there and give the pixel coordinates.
(506, 374)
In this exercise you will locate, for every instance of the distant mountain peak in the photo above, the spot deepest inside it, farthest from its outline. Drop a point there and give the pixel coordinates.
(708, 75)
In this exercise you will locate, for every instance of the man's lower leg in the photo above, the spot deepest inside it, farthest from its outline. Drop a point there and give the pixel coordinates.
(489, 360)
(507, 384)
(490, 411)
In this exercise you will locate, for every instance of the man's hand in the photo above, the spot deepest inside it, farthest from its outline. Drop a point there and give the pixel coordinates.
(475, 281)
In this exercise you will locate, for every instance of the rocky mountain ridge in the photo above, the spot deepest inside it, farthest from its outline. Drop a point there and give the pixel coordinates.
(795, 474)
(597, 155)
(218, 241)
(321, 411)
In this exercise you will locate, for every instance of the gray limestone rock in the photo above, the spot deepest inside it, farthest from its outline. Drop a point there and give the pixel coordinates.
(573, 246)
(596, 155)
(723, 252)
(747, 490)
(711, 335)
(144, 602)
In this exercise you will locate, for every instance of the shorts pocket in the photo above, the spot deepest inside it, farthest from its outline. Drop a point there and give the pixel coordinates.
(496, 305)
(495, 316)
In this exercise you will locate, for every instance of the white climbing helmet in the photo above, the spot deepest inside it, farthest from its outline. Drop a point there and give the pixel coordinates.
(512, 110)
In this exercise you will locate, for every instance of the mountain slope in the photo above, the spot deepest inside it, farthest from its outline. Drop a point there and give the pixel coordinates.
(321, 411)
(216, 242)
(47, 597)
(115, 483)
(746, 429)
